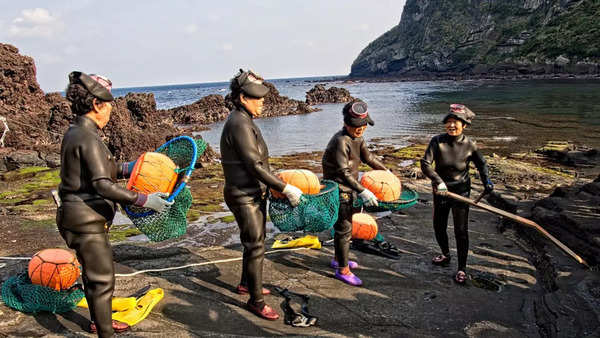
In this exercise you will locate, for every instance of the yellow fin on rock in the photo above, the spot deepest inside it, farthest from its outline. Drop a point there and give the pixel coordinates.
(142, 309)
(308, 241)
(118, 303)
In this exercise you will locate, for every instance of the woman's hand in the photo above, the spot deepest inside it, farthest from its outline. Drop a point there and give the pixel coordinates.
(441, 188)
(293, 194)
(369, 198)
(154, 201)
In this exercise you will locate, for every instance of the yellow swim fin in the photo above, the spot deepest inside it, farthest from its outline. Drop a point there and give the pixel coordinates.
(142, 308)
(118, 303)
(307, 241)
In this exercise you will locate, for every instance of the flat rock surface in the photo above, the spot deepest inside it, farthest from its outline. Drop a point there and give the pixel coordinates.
(504, 297)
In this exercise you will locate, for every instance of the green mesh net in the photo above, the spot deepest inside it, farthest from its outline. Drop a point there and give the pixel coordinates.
(407, 199)
(20, 294)
(315, 213)
(172, 222)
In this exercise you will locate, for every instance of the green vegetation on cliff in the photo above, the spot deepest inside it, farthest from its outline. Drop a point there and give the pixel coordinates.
(487, 36)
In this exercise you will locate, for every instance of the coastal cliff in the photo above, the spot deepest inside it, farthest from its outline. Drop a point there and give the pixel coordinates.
(438, 38)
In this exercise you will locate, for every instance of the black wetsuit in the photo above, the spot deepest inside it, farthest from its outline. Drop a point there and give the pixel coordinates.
(340, 162)
(245, 161)
(88, 191)
(452, 156)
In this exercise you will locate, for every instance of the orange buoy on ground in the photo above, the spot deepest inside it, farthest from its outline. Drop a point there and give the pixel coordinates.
(153, 172)
(384, 184)
(364, 226)
(303, 179)
(55, 268)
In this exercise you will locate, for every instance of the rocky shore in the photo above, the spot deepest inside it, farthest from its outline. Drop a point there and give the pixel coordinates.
(519, 284)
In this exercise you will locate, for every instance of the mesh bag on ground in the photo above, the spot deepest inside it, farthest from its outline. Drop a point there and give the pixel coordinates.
(171, 223)
(315, 213)
(407, 199)
(20, 294)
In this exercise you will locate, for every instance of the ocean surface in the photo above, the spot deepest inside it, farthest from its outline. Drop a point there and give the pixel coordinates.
(512, 116)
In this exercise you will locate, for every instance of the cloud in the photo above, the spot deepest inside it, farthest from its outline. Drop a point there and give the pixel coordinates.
(227, 46)
(191, 28)
(35, 23)
(364, 27)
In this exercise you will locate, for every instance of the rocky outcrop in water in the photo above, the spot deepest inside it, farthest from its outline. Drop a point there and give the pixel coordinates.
(318, 94)
(205, 111)
(484, 38)
(37, 121)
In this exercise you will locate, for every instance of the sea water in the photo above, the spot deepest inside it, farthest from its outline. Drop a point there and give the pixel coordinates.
(511, 115)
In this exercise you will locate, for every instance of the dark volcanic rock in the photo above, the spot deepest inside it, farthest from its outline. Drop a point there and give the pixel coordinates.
(572, 215)
(318, 94)
(277, 105)
(205, 111)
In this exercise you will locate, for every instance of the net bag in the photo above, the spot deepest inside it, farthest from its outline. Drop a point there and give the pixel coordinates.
(20, 294)
(315, 213)
(171, 223)
(407, 199)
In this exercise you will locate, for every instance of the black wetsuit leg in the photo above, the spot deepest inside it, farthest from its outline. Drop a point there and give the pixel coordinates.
(460, 214)
(343, 229)
(96, 258)
(251, 219)
(441, 210)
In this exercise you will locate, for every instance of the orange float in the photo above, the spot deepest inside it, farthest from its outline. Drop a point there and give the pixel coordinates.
(303, 179)
(57, 269)
(364, 226)
(384, 184)
(153, 172)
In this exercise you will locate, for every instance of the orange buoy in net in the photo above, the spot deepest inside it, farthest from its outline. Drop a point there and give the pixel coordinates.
(303, 179)
(364, 226)
(57, 269)
(153, 172)
(385, 185)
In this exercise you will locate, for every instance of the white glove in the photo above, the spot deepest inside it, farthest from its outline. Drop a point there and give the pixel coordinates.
(441, 188)
(369, 198)
(156, 201)
(293, 194)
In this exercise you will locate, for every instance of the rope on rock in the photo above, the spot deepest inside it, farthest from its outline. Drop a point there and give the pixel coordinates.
(176, 267)
(3, 119)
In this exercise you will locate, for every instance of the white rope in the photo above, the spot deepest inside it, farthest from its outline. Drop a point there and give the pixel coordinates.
(199, 264)
(3, 119)
(176, 267)
(16, 258)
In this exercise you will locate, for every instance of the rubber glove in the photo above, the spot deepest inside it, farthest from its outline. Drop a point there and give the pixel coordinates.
(293, 194)
(369, 198)
(441, 188)
(488, 186)
(154, 201)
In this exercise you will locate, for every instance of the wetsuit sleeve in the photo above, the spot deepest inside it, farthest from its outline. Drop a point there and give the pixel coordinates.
(246, 145)
(367, 157)
(100, 174)
(427, 162)
(120, 174)
(342, 159)
(114, 192)
(481, 165)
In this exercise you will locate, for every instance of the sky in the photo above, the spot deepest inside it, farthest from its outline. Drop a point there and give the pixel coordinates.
(145, 43)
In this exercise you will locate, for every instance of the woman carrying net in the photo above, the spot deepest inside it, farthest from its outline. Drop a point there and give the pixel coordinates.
(88, 194)
(245, 161)
(341, 159)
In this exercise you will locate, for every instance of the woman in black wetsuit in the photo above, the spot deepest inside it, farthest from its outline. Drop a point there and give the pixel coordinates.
(452, 153)
(88, 194)
(245, 162)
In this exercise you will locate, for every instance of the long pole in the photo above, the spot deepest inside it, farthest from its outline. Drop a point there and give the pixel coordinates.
(516, 218)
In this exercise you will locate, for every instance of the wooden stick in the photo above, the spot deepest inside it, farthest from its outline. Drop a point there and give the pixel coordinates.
(516, 218)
